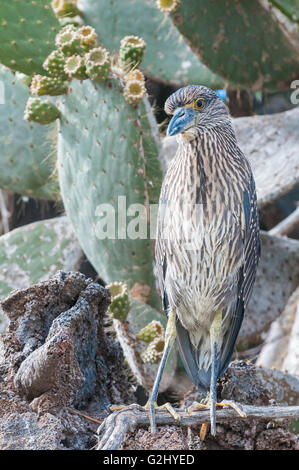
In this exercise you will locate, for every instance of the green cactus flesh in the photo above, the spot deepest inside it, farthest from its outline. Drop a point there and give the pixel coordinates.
(98, 64)
(244, 43)
(107, 155)
(290, 8)
(167, 56)
(54, 65)
(40, 111)
(52, 86)
(34, 252)
(131, 52)
(68, 41)
(75, 67)
(27, 34)
(151, 331)
(27, 149)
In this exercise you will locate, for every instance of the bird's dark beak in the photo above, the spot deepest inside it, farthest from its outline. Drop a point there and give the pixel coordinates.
(183, 119)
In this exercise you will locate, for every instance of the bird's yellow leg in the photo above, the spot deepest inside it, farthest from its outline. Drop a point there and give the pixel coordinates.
(215, 340)
(170, 336)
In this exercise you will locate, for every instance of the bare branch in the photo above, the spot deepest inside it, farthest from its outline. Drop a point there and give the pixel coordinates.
(113, 430)
(287, 225)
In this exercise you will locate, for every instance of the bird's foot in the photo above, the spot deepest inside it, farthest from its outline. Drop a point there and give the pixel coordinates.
(152, 406)
(196, 406)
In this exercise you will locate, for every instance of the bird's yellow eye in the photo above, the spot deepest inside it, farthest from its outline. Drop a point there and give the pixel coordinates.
(198, 104)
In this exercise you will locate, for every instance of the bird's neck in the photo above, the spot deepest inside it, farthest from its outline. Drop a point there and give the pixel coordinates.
(214, 161)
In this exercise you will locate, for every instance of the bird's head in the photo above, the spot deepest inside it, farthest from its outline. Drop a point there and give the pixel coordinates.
(195, 108)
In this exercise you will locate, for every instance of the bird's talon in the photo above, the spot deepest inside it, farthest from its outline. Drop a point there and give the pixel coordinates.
(171, 410)
(196, 406)
(235, 406)
(116, 407)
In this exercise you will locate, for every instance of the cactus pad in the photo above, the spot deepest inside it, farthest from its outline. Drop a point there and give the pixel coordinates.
(167, 57)
(27, 158)
(27, 34)
(247, 45)
(120, 305)
(108, 166)
(35, 252)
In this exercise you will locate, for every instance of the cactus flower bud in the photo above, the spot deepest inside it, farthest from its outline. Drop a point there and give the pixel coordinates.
(151, 331)
(154, 352)
(41, 111)
(98, 64)
(132, 49)
(41, 85)
(120, 305)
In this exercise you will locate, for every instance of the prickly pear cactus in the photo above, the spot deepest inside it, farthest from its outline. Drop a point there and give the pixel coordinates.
(109, 174)
(246, 43)
(34, 253)
(167, 57)
(151, 331)
(27, 155)
(120, 305)
(27, 34)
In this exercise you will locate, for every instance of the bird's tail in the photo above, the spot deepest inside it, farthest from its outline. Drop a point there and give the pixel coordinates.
(200, 377)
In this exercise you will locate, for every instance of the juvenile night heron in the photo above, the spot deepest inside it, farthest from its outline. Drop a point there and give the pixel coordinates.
(207, 246)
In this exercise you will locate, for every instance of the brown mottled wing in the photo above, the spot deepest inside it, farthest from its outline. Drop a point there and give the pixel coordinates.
(160, 251)
(247, 272)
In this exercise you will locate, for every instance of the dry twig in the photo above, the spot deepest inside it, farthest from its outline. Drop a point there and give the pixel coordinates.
(113, 430)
